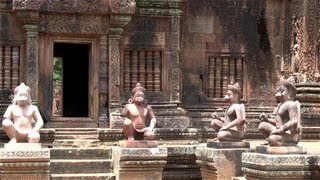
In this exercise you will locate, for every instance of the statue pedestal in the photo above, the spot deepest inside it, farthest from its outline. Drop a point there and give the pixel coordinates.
(223, 162)
(139, 163)
(283, 162)
(24, 161)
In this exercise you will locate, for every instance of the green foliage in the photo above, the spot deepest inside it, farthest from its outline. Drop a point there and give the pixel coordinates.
(57, 69)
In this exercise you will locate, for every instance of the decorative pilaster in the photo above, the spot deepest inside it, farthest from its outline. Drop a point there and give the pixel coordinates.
(103, 80)
(114, 70)
(32, 65)
(117, 23)
(174, 62)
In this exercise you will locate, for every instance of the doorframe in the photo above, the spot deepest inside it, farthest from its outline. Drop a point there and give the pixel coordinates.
(46, 69)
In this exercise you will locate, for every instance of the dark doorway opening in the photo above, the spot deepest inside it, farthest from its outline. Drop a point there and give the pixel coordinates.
(74, 78)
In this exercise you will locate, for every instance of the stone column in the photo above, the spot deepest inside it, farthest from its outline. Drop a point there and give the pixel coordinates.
(139, 163)
(174, 61)
(24, 161)
(32, 65)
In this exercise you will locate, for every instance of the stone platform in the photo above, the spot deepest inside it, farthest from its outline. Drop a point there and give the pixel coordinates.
(221, 163)
(287, 162)
(24, 161)
(138, 144)
(139, 163)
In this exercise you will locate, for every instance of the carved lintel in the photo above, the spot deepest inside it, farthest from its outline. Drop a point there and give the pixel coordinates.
(27, 4)
(28, 17)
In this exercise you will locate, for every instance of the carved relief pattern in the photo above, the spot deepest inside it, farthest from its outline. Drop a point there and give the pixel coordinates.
(15, 66)
(174, 53)
(303, 44)
(1, 67)
(114, 70)
(74, 6)
(73, 23)
(123, 6)
(32, 59)
(221, 72)
(24, 154)
(9, 66)
(143, 67)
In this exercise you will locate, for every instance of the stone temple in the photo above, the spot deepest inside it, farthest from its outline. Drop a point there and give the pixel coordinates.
(81, 58)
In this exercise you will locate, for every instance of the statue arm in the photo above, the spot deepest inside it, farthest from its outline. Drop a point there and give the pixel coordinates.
(239, 120)
(294, 119)
(153, 120)
(124, 112)
(39, 121)
(8, 113)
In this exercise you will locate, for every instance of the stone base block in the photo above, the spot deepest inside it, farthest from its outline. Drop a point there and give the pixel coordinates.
(280, 166)
(281, 150)
(220, 163)
(139, 163)
(138, 144)
(227, 144)
(24, 161)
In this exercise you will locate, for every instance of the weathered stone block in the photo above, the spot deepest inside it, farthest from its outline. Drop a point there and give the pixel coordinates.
(280, 166)
(139, 163)
(24, 161)
(220, 163)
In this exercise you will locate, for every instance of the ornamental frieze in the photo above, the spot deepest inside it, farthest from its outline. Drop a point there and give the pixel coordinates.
(77, 6)
(73, 23)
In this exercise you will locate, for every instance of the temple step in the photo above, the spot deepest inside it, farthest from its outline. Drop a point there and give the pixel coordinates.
(75, 143)
(76, 137)
(96, 176)
(81, 163)
(80, 153)
(73, 166)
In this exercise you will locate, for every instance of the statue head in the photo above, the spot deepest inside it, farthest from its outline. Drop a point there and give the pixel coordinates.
(138, 94)
(286, 90)
(22, 95)
(233, 93)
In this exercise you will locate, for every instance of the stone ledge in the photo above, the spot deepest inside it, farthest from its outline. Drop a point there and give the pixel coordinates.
(138, 144)
(227, 144)
(281, 149)
(279, 162)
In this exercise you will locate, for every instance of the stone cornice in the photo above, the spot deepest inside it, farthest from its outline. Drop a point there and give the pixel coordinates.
(77, 6)
(159, 7)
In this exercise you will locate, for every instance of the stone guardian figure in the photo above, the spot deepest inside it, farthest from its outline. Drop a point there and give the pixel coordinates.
(285, 129)
(231, 127)
(19, 115)
(137, 112)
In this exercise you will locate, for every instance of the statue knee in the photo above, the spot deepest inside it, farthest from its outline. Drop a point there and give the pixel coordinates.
(262, 126)
(6, 123)
(34, 137)
(127, 122)
(221, 135)
(149, 135)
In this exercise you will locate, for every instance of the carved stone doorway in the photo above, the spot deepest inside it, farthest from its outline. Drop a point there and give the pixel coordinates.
(70, 80)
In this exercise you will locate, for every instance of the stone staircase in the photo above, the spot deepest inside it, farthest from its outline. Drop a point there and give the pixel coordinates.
(81, 163)
(76, 137)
